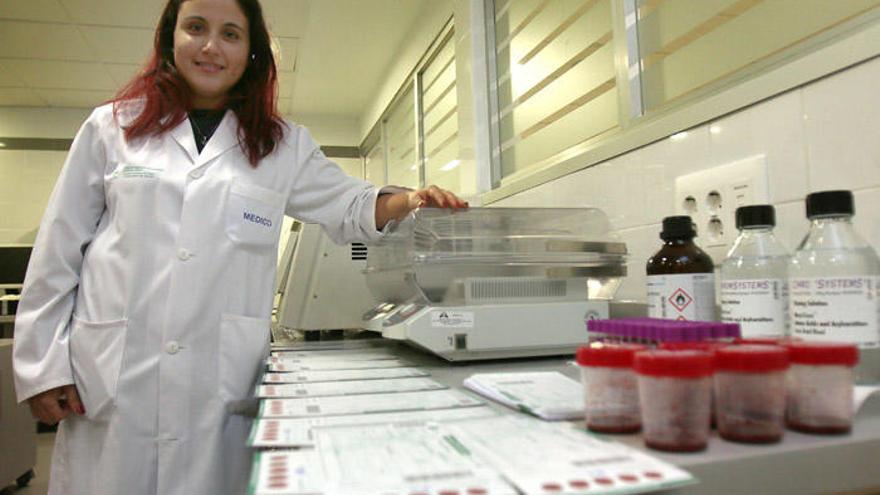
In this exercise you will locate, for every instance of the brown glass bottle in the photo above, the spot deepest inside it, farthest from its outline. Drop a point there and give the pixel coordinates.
(681, 279)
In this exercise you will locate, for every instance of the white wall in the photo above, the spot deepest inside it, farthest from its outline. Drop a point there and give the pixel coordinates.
(57, 123)
(330, 130)
(27, 177)
(821, 136)
(26, 181)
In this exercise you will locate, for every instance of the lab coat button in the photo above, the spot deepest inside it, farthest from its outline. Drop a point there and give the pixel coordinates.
(184, 255)
(196, 174)
(172, 347)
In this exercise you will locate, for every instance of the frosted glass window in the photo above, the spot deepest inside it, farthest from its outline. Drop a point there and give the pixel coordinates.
(556, 77)
(400, 131)
(440, 119)
(687, 45)
(374, 165)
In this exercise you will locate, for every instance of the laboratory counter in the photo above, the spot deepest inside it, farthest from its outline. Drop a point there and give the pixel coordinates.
(800, 464)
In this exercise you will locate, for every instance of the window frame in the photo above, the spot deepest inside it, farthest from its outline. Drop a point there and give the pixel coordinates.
(412, 81)
(844, 45)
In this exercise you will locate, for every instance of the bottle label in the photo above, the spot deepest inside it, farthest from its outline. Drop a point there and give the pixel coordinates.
(760, 306)
(836, 309)
(682, 297)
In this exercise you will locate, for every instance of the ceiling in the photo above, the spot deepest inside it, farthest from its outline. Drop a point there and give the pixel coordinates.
(76, 53)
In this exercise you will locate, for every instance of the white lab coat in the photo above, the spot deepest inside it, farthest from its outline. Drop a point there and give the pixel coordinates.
(150, 288)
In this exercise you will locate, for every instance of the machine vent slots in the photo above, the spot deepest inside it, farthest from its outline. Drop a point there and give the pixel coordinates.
(358, 251)
(507, 288)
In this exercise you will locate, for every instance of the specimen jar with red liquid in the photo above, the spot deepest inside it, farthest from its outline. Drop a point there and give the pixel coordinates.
(820, 386)
(675, 390)
(750, 392)
(610, 387)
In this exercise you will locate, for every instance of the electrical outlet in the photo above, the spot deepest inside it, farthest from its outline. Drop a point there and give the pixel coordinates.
(712, 196)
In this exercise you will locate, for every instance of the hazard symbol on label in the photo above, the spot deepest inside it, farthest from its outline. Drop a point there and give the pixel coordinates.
(680, 299)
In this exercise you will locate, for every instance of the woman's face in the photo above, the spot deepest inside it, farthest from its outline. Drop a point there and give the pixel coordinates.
(211, 46)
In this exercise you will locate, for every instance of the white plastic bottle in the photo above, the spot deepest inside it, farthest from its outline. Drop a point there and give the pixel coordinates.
(754, 276)
(833, 282)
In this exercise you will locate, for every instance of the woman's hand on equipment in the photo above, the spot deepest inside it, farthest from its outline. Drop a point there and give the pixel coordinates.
(398, 205)
(56, 404)
(434, 197)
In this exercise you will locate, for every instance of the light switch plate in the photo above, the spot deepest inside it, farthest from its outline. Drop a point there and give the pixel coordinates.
(711, 197)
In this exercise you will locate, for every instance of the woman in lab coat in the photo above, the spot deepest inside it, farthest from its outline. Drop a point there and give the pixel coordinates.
(144, 316)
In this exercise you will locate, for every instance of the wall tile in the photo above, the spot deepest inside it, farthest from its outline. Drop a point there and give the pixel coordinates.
(866, 220)
(842, 127)
(791, 224)
(642, 243)
(664, 161)
(778, 132)
(773, 128)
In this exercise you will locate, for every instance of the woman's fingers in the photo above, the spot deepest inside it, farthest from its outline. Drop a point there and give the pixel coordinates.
(48, 411)
(440, 198)
(48, 408)
(73, 400)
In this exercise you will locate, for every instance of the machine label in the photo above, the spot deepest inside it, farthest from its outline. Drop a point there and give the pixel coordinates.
(452, 319)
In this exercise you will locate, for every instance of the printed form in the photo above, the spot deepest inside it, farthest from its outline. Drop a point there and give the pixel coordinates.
(548, 395)
(297, 432)
(340, 355)
(342, 375)
(328, 345)
(337, 365)
(542, 458)
(473, 456)
(375, 461)
(413, 458)
(364, 404)
(360, 387)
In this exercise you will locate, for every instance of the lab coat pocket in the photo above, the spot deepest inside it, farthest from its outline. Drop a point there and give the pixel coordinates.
(96, 351)
(244, 346)
(253, 214)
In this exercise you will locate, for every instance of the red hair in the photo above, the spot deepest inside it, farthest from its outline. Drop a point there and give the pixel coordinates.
(164, 98)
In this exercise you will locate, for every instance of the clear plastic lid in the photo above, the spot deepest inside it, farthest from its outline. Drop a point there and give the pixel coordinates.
(497, 255)
(572, 237)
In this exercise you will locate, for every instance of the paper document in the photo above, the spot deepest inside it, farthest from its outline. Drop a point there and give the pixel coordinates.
(360, 387)
(470, 456)
(327, 359)
(338, 365)
(376, 460)
(546, 394)
(420, 458)
(541, 458)
(373, 403)
(328, 345)
(297, 432)
(339, 355)
(342, 375)
(287, 472)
